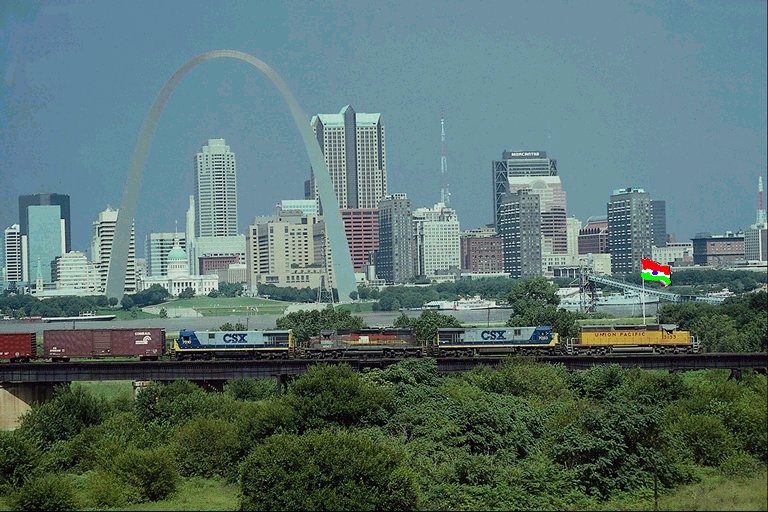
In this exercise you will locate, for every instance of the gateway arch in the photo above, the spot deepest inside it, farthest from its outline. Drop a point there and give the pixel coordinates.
(118, 260)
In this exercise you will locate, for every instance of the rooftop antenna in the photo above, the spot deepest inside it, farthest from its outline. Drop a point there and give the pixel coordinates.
(445, 195)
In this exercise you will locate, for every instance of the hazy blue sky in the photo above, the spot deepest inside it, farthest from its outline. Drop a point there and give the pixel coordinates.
(668, 96)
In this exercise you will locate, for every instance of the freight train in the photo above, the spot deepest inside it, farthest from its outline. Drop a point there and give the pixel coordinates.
(150, 343)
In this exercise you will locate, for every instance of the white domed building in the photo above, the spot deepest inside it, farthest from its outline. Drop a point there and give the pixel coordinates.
(178, 279)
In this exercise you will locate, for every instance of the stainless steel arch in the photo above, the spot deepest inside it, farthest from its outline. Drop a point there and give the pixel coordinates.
(118, 261)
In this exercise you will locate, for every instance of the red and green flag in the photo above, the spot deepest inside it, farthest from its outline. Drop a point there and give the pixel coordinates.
(652, 271)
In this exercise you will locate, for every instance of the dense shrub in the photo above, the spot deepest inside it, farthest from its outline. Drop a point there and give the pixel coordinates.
(106, 490)
(45, 492)
(522, 377)
(336, 394)
(705, 438)
(18, 460)
(251, 389)
(598, 381)
(328, 470)
(206, 447)
(72, 409)
(258, 421)
(152, 473)
(176, 403)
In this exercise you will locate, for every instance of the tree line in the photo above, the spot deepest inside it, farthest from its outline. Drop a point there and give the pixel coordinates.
(520, 436)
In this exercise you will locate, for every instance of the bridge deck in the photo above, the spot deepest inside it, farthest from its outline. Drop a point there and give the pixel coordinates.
(224, 370)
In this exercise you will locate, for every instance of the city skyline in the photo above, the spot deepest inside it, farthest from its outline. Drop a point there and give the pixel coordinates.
(666, 99)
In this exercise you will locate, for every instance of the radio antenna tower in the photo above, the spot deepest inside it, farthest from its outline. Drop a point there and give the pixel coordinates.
(760, 204)
(445, 195)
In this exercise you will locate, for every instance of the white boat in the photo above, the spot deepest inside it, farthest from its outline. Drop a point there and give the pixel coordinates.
(462, 304)
(725, 293)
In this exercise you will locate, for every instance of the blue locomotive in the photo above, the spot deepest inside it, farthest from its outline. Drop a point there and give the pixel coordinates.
(496, 340)
(272, 344)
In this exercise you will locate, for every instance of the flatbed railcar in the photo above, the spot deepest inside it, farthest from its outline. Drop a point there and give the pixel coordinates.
(367, 342)
(267, 344)
(533, 340)
(18, 347)
(652, 338)
(65, 344)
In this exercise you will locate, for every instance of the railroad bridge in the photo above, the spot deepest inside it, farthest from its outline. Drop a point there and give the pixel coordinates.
(21, 384)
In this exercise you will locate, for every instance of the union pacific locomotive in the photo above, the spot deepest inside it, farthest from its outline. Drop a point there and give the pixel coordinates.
(61, 345)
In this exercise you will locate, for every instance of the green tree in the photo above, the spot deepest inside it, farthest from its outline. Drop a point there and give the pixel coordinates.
(306, 324)
(328, 470)
(336, 394)
(163, 313)
(127, 302)
(187, 293)
(425, 326)
(72, 409)
(532, 293)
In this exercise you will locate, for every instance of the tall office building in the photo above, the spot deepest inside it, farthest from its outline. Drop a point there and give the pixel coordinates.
(101, 249)
(216, 190)
(629, 229)
(395, 258)
(355, 152)
(281, 251)
(361, 225)
(520, 233)
(44, 241)
(518, 170)
(157, 247)
(437, 247)
(60, 200)
(659, 222)
(13, 259)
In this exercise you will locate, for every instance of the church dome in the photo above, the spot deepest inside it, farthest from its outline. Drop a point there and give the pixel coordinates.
(177, 254)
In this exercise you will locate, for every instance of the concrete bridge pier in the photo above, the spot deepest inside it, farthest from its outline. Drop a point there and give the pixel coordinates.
(16, 399)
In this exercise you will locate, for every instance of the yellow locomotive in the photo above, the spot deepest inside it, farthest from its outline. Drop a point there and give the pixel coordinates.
(655, 338)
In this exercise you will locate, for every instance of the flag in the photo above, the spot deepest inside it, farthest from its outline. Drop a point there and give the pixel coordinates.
(652, 271)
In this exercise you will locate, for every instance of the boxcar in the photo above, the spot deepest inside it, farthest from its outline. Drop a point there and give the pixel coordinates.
(61, 345)
(18, 346)
(659, 338)
(234, 344)
(496, 340)
(367, 342)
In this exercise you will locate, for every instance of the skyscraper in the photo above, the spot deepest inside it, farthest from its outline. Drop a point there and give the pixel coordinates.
(659, 222)
(437, 245)
(101, 247)
(13, 259)
(61, 200)
(518, 170)
(629, 229)
(44, 240)
(394, 259)
(354, 148)
(520, 232)
(216, 190)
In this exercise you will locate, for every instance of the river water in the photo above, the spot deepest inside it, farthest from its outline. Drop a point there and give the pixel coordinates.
(478, 317)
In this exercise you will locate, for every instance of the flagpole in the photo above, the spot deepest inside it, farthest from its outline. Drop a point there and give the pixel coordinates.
(642, 299)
